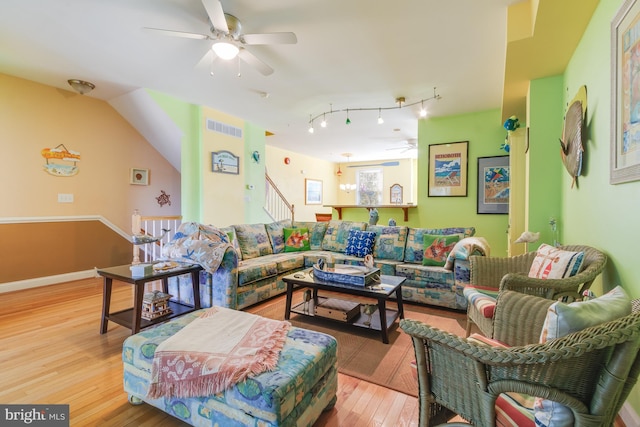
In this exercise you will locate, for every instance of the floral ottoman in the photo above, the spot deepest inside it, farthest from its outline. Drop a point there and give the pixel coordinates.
(303, 384)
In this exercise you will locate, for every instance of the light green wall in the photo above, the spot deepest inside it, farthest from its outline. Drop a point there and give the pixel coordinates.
(254, 138)
(545, 165)
(485, 134)
(187, 117)
(597, 213)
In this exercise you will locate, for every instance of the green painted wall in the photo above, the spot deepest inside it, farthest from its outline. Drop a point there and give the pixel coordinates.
(485, 133)
(187, 117)
(597, 213)
(254, 140)
(545, 165)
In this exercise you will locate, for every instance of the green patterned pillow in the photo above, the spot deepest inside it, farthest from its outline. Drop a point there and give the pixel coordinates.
(296, 239)
(276, 234)
(233, 239)
(390, 241)
(437, 248)
(316, 232)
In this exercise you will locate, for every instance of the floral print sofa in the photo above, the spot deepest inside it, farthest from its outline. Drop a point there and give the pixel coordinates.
(254, 263)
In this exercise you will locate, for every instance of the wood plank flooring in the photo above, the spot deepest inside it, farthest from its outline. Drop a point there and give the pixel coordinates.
(51, 352)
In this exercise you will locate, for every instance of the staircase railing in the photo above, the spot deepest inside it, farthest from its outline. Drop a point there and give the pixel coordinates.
(276, 205)
(152, 226)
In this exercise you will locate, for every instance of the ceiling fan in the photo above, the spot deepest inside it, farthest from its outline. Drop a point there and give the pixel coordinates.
(410, 144)
(228, 39)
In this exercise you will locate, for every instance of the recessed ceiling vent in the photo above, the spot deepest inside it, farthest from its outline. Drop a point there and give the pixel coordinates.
(224, 128)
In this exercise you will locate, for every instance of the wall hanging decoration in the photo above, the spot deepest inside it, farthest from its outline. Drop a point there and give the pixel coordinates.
(493, 185)
(625, 94)
(255, 156)
(225, 162)
(139, 176)
(163, 199)
(312, 192)
(54, 161)
(511, 124)
(448, 169)
(573, 135)
(395, 196)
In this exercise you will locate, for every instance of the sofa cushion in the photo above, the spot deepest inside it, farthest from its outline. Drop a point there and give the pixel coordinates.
(254, 240)
(316, 232)
(414, 249)
(335, 238)
(275, 231)
(257, 268)
(426, 276)
(554, 263)
(359, 243)
(390, 242)
(287, 261)
(437, 248)
(296, 239)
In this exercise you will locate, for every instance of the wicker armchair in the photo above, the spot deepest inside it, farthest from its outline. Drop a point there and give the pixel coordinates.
(511, 273)
(591, 371)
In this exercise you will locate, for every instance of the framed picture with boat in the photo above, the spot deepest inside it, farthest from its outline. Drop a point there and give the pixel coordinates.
(493, 185)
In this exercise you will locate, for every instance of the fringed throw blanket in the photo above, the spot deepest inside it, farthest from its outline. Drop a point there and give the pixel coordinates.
(465, 248)
(214, 352)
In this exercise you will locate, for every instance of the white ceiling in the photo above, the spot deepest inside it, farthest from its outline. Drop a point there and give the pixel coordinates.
(350, 54)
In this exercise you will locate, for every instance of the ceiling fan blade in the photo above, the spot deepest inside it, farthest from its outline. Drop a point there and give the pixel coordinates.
(216, 14)
(174, 33)
(270, 38)
(256, 63)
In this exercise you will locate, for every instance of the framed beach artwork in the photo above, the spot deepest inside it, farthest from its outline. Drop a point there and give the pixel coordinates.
(625, 94)
(493, 185)
(312, 192)
(448, 165)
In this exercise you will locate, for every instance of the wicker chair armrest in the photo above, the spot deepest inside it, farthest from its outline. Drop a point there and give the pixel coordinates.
(489, 271)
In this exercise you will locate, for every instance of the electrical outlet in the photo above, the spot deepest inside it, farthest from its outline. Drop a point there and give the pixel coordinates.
(65, 198)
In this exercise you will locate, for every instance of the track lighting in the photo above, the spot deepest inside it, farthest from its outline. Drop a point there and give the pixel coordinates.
(400, 101)
(423, 112)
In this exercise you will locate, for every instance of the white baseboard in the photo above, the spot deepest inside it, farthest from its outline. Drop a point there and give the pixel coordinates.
(629, 416)
(44, 281)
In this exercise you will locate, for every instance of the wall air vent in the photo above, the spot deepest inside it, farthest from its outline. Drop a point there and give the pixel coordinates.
(224, 128)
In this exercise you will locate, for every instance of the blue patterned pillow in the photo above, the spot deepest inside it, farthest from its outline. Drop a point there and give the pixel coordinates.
(360, 243)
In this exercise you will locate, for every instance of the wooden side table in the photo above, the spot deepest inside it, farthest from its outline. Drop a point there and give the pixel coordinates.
(131, 317)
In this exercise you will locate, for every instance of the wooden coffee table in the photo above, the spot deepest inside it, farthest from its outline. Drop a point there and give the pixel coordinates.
(381, 291)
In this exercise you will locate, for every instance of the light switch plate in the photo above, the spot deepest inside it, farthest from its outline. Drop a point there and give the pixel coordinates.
(65, 198)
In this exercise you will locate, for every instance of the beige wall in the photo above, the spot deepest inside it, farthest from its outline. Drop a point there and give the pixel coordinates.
(35, 116)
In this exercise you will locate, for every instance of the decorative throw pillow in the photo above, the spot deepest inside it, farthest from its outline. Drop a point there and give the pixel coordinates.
(360, 243)
(563, 319)
(296, 239)
(437, 248)
(554, 263)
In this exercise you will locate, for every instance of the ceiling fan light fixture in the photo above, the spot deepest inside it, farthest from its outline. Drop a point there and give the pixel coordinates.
(225, 50)
(81, 86)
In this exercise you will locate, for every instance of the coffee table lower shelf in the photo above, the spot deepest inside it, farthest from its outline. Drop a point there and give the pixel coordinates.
(358, 320)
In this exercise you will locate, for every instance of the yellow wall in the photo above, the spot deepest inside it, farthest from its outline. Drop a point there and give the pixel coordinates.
(290, 180)
(35, 116)
(223, 194)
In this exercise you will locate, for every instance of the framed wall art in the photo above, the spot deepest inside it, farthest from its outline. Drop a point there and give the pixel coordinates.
(493, 185)
(625, 94)
(225, 162)
(139, 176)
(395, 196)
(312, 192)
(448, 169)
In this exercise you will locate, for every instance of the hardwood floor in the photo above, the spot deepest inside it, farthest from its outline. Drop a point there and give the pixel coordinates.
(51, 352)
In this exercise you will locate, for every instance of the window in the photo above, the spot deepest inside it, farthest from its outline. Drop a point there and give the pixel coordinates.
(369, 187)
